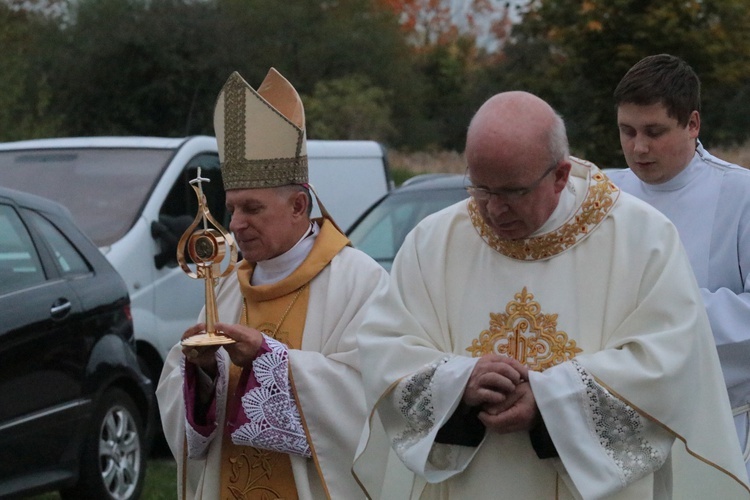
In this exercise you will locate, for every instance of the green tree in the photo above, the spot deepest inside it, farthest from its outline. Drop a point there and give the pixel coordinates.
(24, 91)
(348, 108)
(137, 67)
(154, 67)
(454, 48)
(312, 42)
(581, 48)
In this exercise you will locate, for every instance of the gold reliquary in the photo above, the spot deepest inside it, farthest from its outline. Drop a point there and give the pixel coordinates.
(207, 244)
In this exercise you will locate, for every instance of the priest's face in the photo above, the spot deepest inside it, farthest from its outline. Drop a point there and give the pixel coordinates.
(516, 179)
(655, 145)
(515, 199)
(266, 222)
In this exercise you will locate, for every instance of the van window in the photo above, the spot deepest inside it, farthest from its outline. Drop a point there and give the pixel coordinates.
(181, 205)
(104, 188)
(182, 200)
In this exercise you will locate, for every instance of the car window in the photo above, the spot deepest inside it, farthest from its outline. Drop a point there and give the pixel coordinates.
(104, 188)
(20, 266)
(382, 231)
(69, 261)
(182, 200)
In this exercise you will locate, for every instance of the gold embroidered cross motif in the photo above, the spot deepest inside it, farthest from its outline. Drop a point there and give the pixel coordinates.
(523, 332)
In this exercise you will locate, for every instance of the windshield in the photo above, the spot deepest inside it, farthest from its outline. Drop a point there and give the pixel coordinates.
(105, 189)
(381, 232)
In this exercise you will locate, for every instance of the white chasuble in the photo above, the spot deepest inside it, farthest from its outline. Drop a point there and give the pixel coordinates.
(324, 374)
(602, 304)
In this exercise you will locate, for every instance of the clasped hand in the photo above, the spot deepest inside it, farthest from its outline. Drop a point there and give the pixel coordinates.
(499, 385)
(242, 352)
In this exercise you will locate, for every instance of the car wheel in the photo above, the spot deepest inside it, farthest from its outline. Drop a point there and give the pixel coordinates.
(113, 464)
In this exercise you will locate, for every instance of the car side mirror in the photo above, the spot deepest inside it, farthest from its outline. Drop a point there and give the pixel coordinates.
(167, 231)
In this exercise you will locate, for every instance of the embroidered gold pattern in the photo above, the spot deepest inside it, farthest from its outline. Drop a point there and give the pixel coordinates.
(234, 119)
(250, 465)
(253, 174)
(239, 172)
(525, 333)
(600, 198)
(247, 470)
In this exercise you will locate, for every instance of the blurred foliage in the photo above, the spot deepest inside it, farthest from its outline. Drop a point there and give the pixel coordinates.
(403, 72)
(576, 51)
(400, 175)
(427, 23)
(24, 93)
(360, 110)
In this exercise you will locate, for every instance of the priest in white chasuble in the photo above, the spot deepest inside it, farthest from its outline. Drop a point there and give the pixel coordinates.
(277, 414)
(544, 339)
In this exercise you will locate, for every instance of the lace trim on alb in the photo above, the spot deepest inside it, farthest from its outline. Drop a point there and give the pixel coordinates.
(620, 430)
(415, 404)
(274, 422)
(197, 443)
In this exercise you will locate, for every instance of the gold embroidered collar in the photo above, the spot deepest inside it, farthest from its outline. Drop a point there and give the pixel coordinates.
(599, 199)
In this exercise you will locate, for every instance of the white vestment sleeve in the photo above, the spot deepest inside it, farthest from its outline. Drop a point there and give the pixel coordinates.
(603, 443)
(728, 306)
(729, 314)
(426, 400)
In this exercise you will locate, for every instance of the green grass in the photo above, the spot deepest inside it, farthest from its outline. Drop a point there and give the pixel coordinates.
(161, 481)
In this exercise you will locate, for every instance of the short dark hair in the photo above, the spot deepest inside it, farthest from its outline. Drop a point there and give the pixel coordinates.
(664, 79)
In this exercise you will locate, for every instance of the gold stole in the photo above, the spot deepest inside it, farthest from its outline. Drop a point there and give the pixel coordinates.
(278, 310)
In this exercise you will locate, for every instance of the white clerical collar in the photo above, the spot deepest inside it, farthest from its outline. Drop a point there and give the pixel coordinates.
(278, 268)
(566, 206)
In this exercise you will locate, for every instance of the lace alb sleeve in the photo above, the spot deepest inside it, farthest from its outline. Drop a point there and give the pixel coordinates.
(273, 418)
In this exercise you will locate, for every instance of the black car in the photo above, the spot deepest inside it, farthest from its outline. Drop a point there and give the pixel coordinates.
(74, 406)
(382, 228)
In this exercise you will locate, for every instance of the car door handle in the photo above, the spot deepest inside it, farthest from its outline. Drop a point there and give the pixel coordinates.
(60, 308)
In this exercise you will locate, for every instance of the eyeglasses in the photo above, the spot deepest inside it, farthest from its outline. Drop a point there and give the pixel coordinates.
(508, 194)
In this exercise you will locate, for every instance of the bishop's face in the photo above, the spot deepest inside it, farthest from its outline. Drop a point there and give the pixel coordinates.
(265, 222)
(655, 145)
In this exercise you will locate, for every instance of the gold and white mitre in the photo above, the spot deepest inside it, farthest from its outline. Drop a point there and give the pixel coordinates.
(260, 134)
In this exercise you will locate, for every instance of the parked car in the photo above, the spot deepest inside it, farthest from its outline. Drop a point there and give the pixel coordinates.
(74, 405)
(382, 229)
(132, 196)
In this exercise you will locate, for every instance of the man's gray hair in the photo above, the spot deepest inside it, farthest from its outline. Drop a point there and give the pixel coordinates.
(289, 189)
(558, 140)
